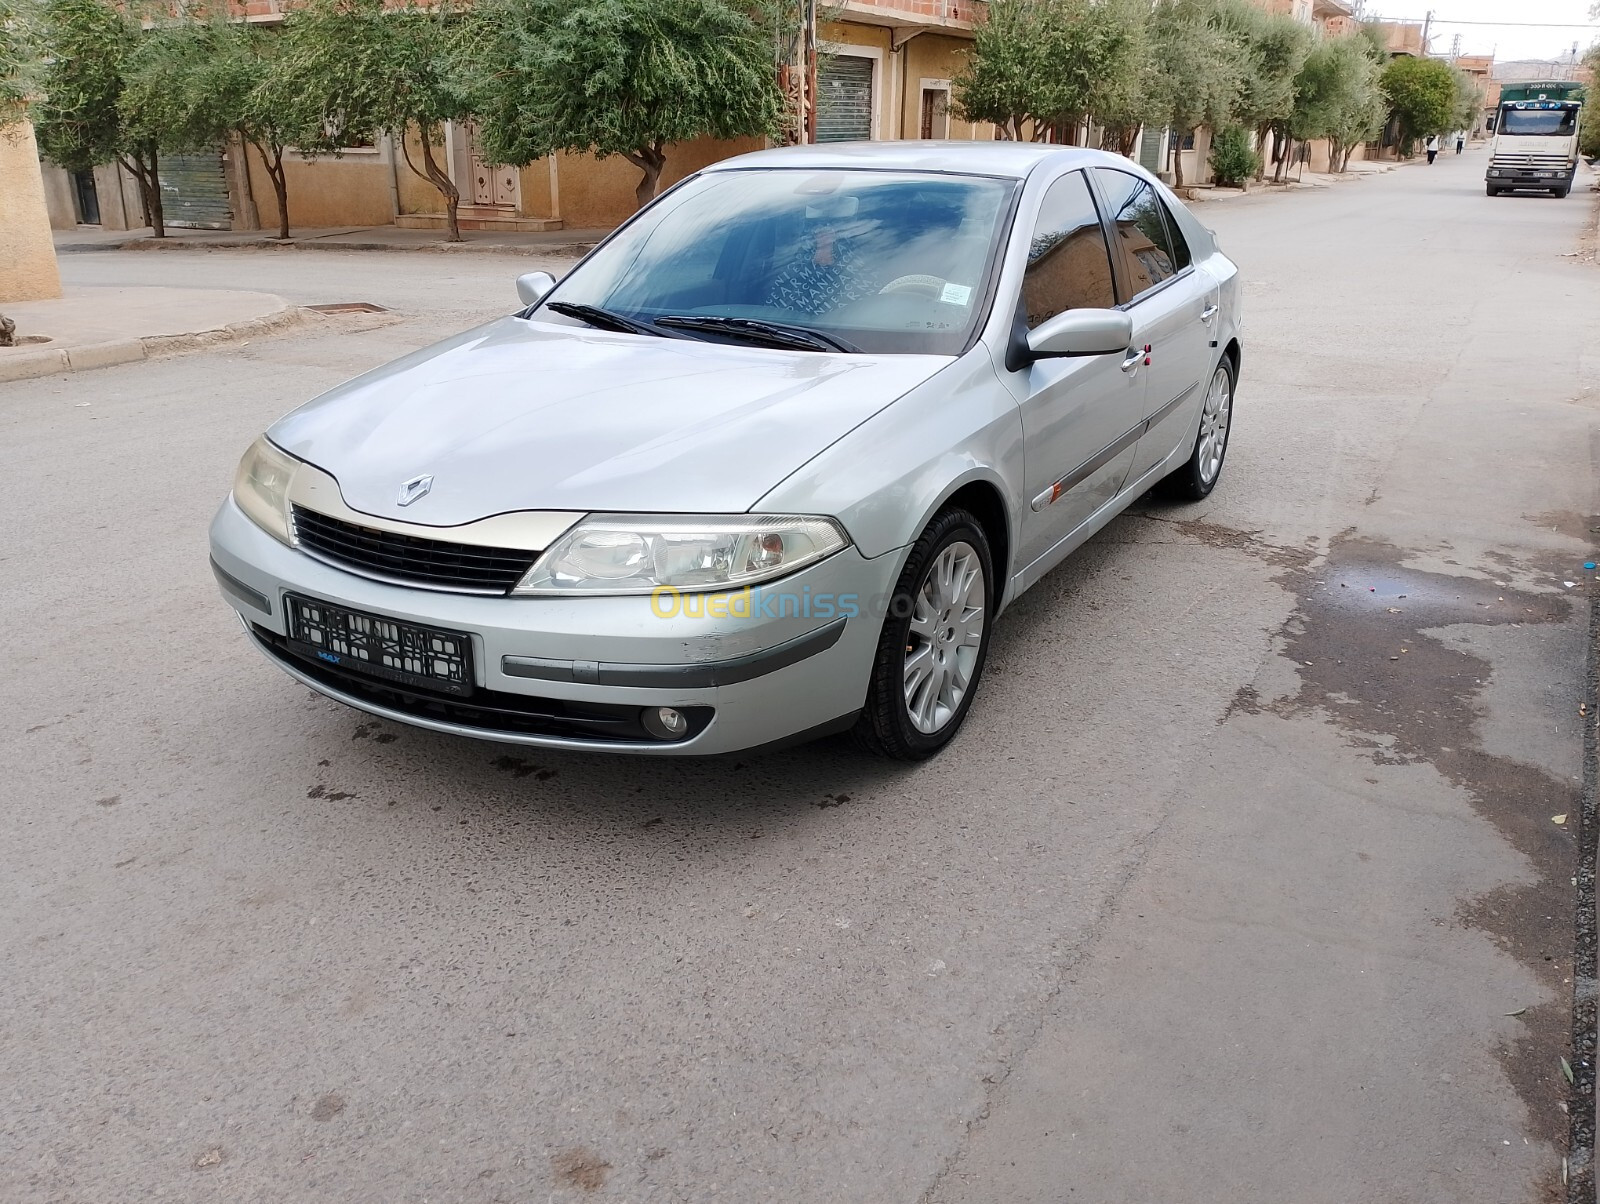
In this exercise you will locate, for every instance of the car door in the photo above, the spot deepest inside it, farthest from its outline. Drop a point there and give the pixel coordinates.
(1080, 417)
(1174, 307)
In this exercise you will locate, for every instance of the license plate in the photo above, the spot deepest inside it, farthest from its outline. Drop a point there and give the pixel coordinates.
(411, 655)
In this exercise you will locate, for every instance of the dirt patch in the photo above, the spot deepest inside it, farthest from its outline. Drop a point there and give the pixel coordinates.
(327, 1106)
(580, 1168)
(1358, 642)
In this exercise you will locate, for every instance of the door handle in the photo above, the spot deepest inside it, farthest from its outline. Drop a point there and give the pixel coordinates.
(1208, 313)
(1135, 357)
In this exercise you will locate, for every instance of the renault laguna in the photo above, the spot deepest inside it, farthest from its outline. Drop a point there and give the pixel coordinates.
(767, 464)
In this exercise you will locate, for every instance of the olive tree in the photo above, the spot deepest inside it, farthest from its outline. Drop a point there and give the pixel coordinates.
(1337, 98)
(197, 83)
(617, 77)
(1421, 94)
(79, 112)
(1195, 70)
(1039, 68)
(1272, 47)
(353, 69)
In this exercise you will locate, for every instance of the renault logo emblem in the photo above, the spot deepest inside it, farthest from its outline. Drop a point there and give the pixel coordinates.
(416, 487)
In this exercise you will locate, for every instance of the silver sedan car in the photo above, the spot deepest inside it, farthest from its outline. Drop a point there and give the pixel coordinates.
(767, 464)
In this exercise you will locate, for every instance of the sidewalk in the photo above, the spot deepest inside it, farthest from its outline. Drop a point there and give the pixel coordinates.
(99, 327)
(338, 238)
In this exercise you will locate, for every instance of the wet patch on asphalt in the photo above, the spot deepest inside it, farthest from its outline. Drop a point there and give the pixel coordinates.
(1364, 645)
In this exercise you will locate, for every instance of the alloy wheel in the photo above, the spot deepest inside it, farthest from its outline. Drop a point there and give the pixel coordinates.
(1214, 419)
(945, 637)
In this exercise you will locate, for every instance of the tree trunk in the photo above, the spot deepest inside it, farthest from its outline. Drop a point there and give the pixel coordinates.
(1262, 131)
(273, 159)
(437, 176)
(145, 169)
(650, 160)
(1177, 158)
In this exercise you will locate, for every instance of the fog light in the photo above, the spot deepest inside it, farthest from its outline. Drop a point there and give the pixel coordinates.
(665, 723)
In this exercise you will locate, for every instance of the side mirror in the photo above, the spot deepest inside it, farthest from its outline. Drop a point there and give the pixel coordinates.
(1488, 123)
(1081, 332)
(532, 287)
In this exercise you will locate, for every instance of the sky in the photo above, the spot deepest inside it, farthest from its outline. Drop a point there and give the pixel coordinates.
(1505, 41)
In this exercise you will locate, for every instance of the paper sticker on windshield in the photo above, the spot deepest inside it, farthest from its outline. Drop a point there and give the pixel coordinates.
(956, 294)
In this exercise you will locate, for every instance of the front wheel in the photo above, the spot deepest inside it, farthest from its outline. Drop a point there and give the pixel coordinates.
(1491, 190)
(1558, 193)
(935, 638)
(1198, 477)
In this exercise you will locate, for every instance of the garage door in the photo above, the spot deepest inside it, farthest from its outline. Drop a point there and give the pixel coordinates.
(194, 191)
(844, 98)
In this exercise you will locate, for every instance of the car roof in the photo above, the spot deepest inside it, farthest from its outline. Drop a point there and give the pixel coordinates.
(1015, 159)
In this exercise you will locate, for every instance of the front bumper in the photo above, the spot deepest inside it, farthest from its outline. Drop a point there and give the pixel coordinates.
(789, 668)
(1527, 177)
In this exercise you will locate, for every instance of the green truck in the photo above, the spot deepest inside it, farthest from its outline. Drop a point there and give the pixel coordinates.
(1535, 144)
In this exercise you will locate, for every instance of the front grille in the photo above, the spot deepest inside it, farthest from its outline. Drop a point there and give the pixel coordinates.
(489, 711)
(1544, 161)
(434, 563)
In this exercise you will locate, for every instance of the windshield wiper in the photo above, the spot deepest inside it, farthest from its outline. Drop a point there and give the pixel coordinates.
(604, 319)
(754, 330)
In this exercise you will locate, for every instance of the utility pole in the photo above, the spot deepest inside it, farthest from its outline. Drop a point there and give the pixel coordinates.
(1427, 23)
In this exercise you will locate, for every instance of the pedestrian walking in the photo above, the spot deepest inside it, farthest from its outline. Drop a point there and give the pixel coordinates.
(1432, 147)
(1461, 141)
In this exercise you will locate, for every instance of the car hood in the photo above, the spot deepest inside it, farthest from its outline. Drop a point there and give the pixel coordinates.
(523, 415)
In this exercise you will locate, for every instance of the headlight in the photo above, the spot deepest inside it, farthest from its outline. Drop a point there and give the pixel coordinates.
(636, 553)
(261, 487)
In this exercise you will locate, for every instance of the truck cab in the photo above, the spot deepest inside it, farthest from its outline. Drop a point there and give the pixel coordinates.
(1535, 144)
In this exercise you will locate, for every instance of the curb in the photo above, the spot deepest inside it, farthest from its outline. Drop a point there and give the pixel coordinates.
(559, 250)
(49, 361)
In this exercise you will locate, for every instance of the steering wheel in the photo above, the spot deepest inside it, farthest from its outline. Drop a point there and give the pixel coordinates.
(923, 286)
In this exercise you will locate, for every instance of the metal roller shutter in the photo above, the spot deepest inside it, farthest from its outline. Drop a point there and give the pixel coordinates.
(194, 191)
(1150, 149)
(844, 98)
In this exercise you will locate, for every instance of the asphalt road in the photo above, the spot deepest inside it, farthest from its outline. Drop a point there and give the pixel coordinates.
(1242, 883)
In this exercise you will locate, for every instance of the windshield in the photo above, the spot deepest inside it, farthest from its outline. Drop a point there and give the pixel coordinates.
(881, 261)
(1558, 123)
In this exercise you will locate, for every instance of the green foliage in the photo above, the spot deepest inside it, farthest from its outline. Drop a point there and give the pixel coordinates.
(355, 70)
(1337, 97)
(616, 77)
(352, 69)
(1468, 100)
(87, 45)
(19, 59)
(1271, 49)
(1039, 66)
(194, 84)
(1196, 76)
(1233, 159)
(1422, 93)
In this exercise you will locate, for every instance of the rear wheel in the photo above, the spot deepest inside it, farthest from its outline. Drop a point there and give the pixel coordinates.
(1197, 478)
(935, 638)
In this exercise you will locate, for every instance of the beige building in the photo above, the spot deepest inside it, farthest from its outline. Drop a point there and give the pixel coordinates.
(27, 254)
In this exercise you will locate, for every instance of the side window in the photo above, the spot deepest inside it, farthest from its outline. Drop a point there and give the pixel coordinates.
(1151, 246)
(1069, 266)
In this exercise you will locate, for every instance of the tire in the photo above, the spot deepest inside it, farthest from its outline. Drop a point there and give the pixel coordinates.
(1559, 193)
(1199, 476)
(1491, 190)
(938, 573)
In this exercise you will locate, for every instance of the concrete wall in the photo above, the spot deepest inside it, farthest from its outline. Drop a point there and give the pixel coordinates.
(355, 189)
(931, 56)
(27, 251)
